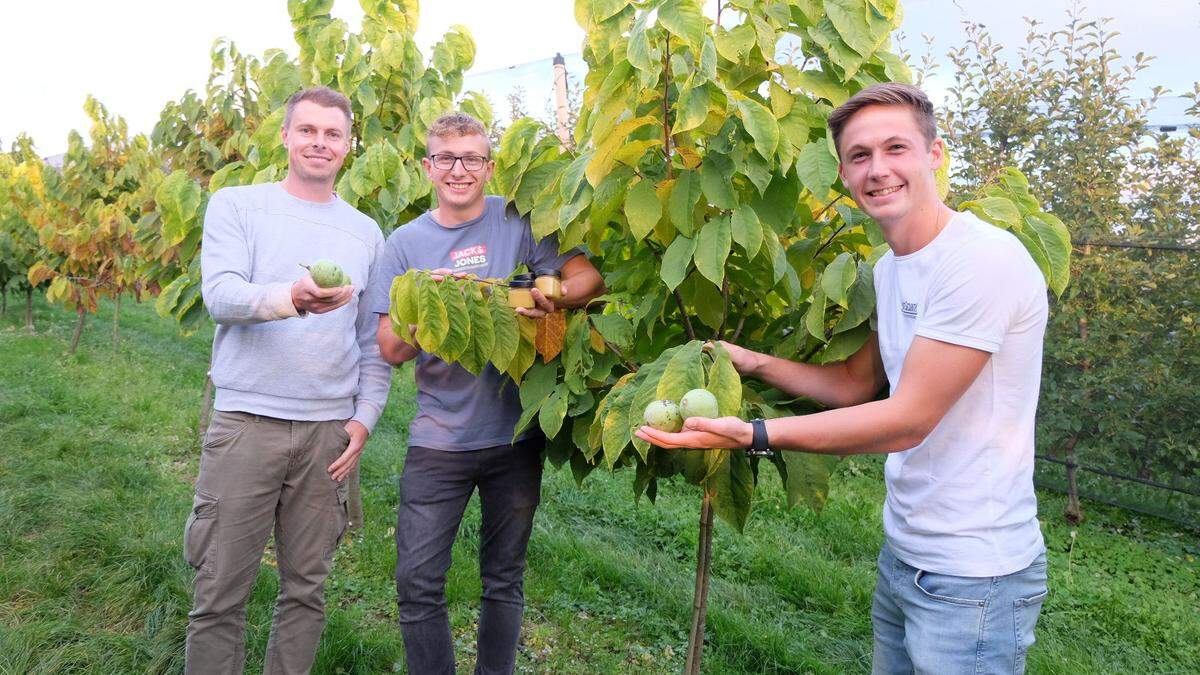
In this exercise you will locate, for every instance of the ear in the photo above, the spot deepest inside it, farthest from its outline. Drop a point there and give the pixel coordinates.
(428, 166)
(937, 153)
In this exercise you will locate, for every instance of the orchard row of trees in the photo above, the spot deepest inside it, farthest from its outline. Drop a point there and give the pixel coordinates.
(1121, 387)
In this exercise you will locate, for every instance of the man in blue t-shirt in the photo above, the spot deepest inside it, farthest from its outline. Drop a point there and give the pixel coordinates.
(462, 436)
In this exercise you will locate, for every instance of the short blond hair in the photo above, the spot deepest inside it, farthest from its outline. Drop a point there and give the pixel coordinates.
(888, 93)
(457, 125)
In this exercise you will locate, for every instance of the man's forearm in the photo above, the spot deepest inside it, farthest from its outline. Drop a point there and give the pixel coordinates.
(874, 427)
(827, 384)
(580, 288)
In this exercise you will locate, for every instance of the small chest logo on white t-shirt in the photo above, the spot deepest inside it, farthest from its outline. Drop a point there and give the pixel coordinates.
(908, 309)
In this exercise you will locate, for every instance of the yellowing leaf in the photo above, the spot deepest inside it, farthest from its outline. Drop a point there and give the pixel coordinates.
(642, 209)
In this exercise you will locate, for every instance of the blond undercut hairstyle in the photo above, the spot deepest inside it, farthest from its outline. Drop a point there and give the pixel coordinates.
(457, 125)
(888, 93)
(322, 96)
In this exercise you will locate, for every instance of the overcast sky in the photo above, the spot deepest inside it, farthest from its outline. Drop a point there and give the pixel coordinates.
(134, 55)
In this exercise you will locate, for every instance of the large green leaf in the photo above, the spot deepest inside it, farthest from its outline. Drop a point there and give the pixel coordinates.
(733, 487)
(507, 336)
(691, 109)
(642, 209)
(808, 478)
(645, 390)
(676, 260)
(684, 372)
(684, 195)
(483, 333)
(683, 19)
(615, 428)
(716, 172)
(814, 318)
(860, 300)
(550, 418)
(724, 382)
(761, 126)
(458, 324)
(747, 231)
(837, 279)
(817, 168)
(1056, 240)
(712, 248)
(433, 322)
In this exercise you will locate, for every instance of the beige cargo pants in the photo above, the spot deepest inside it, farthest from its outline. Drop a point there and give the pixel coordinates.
(259, 473)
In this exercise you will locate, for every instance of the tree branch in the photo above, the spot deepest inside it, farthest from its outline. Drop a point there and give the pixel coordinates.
(687, 321)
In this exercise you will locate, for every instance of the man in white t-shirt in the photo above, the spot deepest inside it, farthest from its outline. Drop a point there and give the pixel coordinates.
(961, 311)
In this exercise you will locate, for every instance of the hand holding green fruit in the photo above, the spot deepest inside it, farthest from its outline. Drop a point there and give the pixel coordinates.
(325, 288)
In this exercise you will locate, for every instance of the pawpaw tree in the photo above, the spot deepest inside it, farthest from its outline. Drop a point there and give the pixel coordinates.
(704, 181)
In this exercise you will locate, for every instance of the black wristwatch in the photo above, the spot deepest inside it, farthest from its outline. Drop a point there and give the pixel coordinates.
(758, 444)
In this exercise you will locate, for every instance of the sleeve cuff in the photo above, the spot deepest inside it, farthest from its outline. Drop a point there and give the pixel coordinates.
(982, 344)
(279, 299)
(367, 415)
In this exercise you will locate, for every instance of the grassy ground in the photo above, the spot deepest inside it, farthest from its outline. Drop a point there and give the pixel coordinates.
(98, 451)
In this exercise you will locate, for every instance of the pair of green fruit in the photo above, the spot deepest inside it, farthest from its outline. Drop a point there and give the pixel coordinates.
(666, 415)
(327, 274)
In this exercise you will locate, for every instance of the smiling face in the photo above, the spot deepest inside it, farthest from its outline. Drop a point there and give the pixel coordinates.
(317, 140)
(888, 165)
(459, 191)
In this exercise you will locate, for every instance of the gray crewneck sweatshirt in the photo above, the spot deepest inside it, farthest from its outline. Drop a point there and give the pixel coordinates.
(266, 358)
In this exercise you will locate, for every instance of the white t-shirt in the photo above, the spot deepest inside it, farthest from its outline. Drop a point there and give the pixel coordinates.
(962, 502)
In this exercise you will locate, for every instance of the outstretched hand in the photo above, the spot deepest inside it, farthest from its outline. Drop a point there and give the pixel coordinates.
(744, 360)
(702, 433)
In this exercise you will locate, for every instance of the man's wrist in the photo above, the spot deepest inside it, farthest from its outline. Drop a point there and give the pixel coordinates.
(747, 436)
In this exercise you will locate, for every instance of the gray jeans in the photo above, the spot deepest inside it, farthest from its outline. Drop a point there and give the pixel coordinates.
(259, 473)
(434, 491)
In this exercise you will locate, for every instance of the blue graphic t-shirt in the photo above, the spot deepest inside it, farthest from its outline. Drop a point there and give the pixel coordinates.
(456, 410)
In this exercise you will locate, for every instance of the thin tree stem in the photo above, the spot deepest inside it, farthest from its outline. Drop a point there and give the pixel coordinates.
(703, 576)
(687, 321)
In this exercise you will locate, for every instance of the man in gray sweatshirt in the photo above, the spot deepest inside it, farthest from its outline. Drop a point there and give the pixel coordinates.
(299, 386)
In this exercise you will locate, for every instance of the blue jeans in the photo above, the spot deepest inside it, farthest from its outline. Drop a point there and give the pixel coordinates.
(937, 623)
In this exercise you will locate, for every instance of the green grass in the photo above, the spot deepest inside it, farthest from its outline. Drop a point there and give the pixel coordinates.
(98, 451)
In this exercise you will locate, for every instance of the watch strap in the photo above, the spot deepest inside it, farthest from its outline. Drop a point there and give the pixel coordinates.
(759, 440)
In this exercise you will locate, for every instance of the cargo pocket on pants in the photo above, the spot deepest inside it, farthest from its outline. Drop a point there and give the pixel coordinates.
(341, 514)
(200, 534)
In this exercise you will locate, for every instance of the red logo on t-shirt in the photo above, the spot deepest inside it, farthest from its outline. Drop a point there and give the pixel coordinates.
(471, 256)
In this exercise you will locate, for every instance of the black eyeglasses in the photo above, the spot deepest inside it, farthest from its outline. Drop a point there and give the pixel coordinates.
(469, 162)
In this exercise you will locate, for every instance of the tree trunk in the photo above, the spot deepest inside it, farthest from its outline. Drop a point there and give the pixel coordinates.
(4, 300)
(700, 598)
(78, 329)
(356, 510)
(205, 406)
(117, 322)
(1074, 513)
(29, 309)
